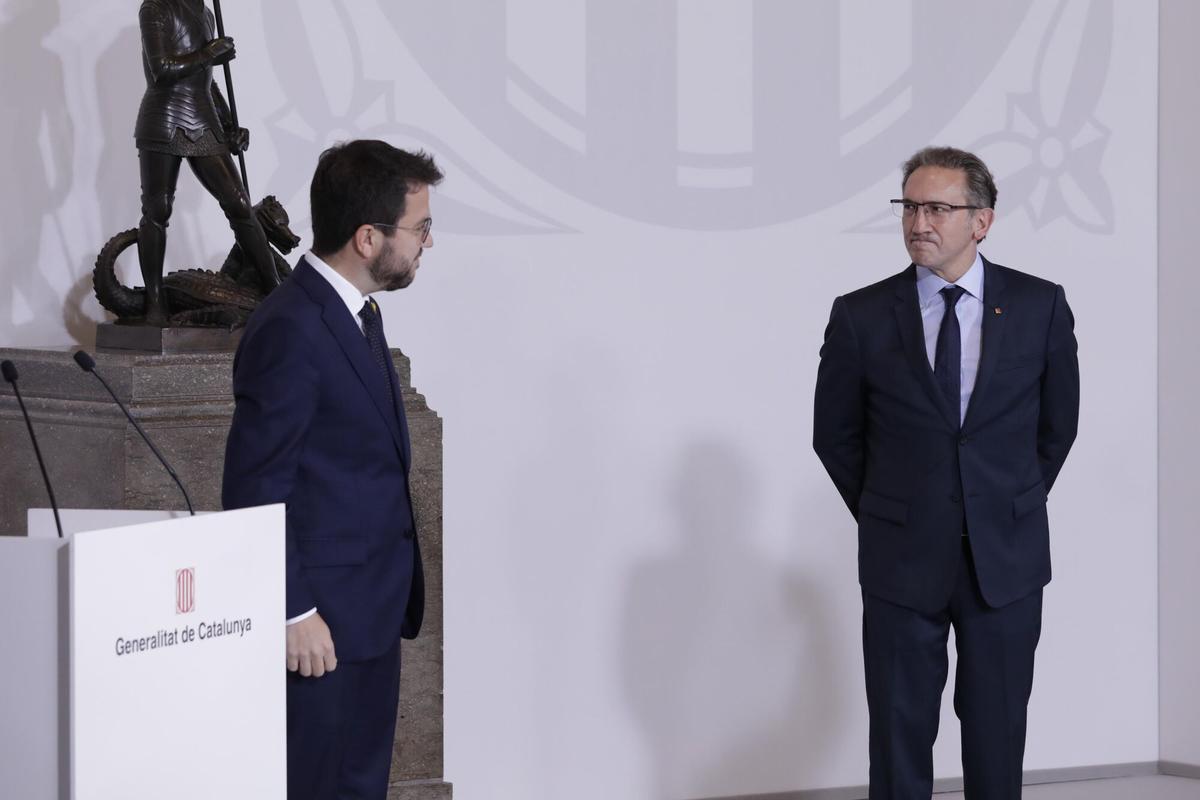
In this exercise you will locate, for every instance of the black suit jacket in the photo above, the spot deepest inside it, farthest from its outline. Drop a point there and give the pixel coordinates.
(910, 476)
(315, 427)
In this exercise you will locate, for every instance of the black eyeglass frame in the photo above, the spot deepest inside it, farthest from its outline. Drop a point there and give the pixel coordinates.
(421, 230)
(900, 207)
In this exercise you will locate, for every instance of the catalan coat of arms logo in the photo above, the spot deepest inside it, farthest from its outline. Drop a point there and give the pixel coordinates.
(185, 590)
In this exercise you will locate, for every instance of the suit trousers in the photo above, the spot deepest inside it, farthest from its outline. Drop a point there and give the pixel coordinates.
(341, 728)
(906, 667)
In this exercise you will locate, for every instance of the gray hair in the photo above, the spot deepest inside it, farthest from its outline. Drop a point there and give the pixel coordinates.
(981, 187)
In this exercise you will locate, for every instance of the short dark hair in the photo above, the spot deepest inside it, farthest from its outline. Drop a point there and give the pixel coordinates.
(361, 182)
(981, 187)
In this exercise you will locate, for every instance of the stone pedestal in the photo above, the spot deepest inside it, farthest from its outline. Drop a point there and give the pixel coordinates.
(146, 339)
(97, 460)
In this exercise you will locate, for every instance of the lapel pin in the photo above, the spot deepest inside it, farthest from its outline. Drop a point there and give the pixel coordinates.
(997, 310)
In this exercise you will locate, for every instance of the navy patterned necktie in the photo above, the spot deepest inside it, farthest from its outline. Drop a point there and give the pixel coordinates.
(373, 329)
(947, 359)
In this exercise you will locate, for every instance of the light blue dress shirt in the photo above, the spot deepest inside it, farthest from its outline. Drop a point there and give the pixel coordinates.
(970, 320)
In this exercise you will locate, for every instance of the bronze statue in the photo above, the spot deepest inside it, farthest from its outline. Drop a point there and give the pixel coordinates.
(199, 297)
(183, 115)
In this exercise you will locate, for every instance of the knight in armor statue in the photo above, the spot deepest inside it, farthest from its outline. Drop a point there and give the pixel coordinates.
(183, 115)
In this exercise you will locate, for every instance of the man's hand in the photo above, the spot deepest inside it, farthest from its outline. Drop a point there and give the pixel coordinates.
(219, 51)
(310, 647)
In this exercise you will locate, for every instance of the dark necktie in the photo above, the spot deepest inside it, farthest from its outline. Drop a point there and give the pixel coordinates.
(947, 359)
(373, 329)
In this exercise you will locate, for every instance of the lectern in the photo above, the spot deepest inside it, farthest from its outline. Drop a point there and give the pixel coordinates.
(146, 660)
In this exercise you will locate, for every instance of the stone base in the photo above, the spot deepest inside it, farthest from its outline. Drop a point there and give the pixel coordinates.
(420, 790)
(185, 402)
(150, 339)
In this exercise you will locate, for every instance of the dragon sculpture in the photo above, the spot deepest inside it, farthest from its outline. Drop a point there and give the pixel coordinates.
(200, 297)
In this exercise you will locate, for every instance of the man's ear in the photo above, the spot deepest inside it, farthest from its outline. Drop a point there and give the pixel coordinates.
(365, 241)
(983, 222)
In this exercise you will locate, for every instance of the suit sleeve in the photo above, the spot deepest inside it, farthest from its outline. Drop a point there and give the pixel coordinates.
(276, 390)
(1058, 417)
(839, 415)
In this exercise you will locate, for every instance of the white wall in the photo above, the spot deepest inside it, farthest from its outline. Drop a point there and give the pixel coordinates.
(650, 207)
(1179, 384)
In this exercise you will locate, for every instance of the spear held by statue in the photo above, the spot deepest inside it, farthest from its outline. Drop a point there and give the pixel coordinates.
(233, 115)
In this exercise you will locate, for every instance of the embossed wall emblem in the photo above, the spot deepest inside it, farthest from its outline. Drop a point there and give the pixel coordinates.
(652, 110)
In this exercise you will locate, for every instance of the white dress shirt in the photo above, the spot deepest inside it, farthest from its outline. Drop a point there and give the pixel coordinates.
(970, 320)
(351, 296)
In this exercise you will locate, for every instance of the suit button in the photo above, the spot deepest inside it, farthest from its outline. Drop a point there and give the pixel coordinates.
(963, 440)
(955, 498)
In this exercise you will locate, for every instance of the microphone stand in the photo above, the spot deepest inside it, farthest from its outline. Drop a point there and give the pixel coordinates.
(10, 375)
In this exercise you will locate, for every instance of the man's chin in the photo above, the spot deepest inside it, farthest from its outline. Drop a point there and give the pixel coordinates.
(399, 282)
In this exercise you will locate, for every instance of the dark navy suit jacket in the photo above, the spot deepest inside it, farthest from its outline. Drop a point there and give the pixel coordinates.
(911, 477)
(315, 427)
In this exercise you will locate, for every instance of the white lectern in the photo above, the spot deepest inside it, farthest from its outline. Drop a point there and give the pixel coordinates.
(145, 661)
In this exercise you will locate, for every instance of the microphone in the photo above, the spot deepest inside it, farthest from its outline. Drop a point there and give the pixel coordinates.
(88, 364)
(10, 374)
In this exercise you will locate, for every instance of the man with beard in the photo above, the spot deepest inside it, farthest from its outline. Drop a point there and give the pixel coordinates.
(947, 400)
(319, 425)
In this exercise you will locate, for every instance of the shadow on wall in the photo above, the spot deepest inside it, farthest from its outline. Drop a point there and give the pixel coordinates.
(119, 86)
(35, 185)
(728, 658)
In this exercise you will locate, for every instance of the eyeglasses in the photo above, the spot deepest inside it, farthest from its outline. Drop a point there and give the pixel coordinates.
(934, 212)
(421, 230)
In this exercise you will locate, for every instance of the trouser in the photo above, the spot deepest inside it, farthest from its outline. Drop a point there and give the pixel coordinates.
(906, 667)
(341, 728)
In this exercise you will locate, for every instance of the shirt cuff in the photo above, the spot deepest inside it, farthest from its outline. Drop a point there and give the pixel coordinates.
(305, 615)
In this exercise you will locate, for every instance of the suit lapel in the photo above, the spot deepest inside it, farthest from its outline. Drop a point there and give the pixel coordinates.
(397, 394)
(354, 345)
(912, 334)
(991, 335)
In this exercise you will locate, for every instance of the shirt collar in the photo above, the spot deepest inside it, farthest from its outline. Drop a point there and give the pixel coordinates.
(929, 284)
(351, 296)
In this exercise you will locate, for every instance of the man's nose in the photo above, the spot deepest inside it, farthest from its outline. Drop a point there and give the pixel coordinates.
(920, 219)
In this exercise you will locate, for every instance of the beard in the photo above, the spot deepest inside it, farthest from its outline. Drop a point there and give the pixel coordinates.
(390, 270)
